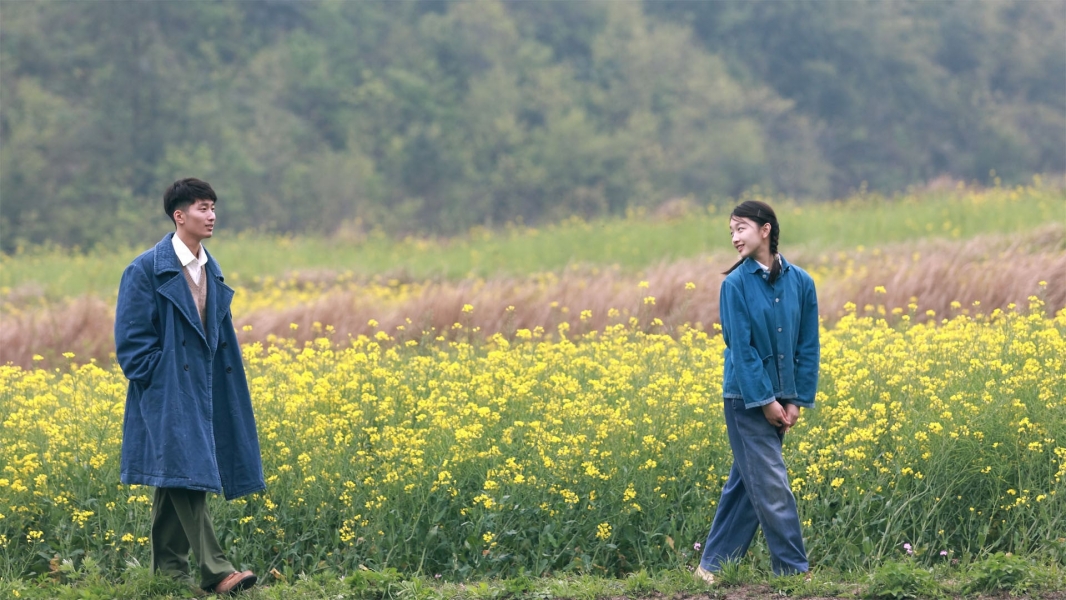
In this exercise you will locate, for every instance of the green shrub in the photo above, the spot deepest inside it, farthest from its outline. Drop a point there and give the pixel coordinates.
(1000, 572)
(639, 584)
(375, 585)
(902, 579)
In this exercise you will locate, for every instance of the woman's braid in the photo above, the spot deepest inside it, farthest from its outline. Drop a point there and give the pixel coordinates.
(775, 234)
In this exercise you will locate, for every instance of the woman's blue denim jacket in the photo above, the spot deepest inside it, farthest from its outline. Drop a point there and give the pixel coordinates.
(771, 335)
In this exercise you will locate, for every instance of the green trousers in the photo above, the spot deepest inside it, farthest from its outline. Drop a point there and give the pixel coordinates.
(180, 523)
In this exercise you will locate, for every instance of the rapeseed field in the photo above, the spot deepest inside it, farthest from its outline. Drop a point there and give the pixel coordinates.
(554, 451)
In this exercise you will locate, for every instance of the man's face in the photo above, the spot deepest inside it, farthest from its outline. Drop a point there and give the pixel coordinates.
(198, 220)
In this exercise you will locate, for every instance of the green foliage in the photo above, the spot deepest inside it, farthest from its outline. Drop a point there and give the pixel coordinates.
(899, 579)
(1057, 550)
(85, 581)
(733, 573)
(639, 583)
(815, 584)
(375, 585)
(905, 91)
(434, 117)
(138, 582)
(1000, 572)
(582, 587)
(520, 585)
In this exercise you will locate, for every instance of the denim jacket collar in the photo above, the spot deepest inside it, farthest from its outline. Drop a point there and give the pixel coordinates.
(751, 265)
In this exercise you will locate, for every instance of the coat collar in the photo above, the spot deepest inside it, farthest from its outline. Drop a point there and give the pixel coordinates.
(166, 260)
(751, 265)
(176, 290)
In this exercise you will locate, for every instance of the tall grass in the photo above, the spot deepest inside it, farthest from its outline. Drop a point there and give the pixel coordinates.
(635, 242)
(947, 278)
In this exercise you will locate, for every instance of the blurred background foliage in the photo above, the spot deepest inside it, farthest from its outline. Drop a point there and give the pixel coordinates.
(339, 117)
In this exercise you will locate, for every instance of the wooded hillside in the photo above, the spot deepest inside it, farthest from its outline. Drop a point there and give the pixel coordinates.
(436, 116)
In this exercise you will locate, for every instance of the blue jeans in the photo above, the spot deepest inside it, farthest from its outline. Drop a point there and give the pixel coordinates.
(756, 493)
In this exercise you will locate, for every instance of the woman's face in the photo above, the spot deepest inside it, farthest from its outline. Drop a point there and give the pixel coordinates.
(748, 236)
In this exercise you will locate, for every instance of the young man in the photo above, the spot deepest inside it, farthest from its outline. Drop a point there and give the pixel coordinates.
(189, 427)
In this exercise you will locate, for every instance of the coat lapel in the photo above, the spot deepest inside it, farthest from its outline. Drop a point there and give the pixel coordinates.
(219, 297)
(176, 289)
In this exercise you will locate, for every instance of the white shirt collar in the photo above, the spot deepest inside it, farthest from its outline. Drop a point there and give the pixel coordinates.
(775, 258)
(185, 256)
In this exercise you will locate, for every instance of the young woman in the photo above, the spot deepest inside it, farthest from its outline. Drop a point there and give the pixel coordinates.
(769, 316)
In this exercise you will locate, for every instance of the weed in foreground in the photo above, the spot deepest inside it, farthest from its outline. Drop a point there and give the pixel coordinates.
(374, 585)
(802, 585)
(899, 579)
(1000, 572)
(734, 573)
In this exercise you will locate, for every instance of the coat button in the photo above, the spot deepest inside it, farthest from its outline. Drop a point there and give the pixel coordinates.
(186, 367)
(779, 330)
(229, 369)
(182, 342)
(224, 344)
(777, 299)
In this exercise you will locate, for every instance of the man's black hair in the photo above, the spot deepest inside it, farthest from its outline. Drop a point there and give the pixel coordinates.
(183, 193)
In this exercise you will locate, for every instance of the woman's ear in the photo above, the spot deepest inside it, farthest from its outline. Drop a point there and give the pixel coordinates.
(765, 230)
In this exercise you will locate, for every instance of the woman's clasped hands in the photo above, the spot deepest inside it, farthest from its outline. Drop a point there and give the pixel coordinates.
(781, 415)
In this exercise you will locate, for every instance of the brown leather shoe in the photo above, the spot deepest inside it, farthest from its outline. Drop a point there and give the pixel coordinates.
(235, 582)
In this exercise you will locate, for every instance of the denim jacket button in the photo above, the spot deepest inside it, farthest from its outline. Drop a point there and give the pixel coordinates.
(779, 330)
(777, 299)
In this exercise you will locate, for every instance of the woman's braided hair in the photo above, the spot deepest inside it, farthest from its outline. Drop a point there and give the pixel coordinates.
(761, 213)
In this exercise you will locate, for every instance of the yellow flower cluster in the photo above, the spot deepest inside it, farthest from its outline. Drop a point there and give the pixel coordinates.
(548, 452)
(276, 293)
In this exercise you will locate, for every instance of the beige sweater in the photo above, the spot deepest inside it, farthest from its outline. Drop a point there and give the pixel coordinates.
(199, 292)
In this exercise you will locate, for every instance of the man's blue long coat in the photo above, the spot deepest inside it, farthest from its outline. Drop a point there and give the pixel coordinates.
(189, 421)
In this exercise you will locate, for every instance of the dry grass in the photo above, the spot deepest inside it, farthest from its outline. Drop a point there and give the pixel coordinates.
(995, 271)
(83, 326)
